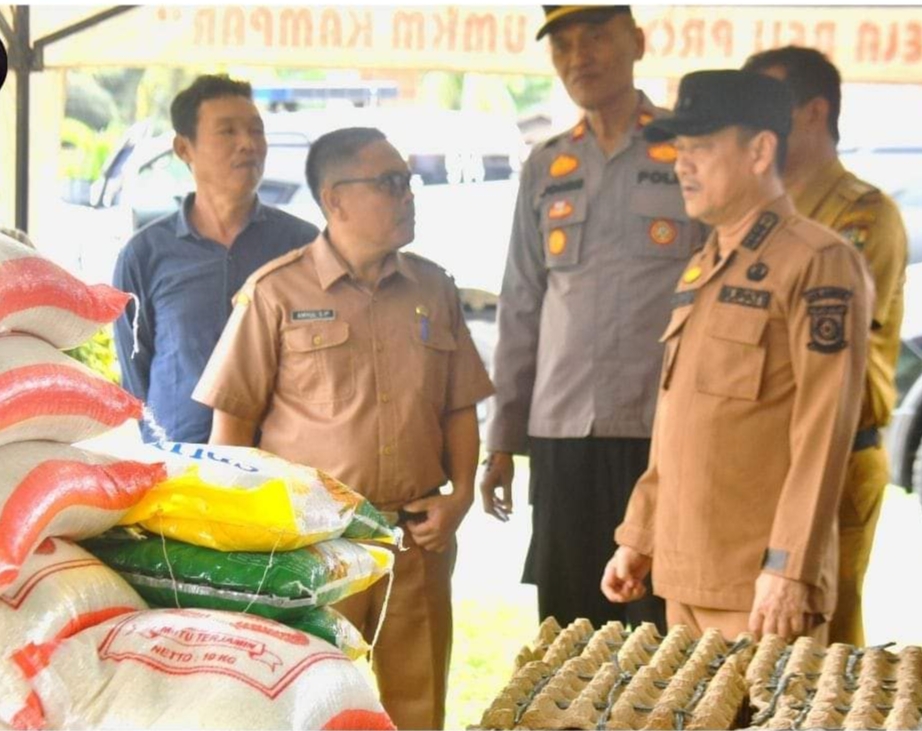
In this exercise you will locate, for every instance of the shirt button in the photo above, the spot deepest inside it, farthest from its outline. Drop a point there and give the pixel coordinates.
(317, 339)
(385, 398)
(387, 451)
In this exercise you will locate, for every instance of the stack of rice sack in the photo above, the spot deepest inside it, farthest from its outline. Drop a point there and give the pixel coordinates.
(79, 648)
(575, 678)
(240, 529)
(51, 492)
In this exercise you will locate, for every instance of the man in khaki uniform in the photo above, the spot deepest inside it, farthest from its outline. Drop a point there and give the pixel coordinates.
(826, 192)
(760, 388)
(355, 358)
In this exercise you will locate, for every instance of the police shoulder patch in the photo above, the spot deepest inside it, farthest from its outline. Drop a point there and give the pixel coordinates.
(828, 309)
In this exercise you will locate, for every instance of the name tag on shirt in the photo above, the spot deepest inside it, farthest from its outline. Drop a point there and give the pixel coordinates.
(297, 315)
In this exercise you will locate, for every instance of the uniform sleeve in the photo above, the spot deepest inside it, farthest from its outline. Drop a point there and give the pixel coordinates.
(520, 301)
(240, 375)
(135, 366)
(637, 528)
(875, 227)
(468, 381)
(829, 315)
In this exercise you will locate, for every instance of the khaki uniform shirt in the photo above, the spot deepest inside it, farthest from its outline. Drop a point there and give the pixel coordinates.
(351, 381)
(758, 405)
(597, 246)
(869, 219)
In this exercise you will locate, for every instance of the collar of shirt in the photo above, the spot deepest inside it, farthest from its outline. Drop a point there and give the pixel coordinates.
(645, 113)
(820, 185)
(185, 229)
(331, 268)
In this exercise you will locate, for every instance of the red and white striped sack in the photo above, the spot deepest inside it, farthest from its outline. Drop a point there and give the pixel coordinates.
(202, 669)
(40, 298)
(61, 589)
(50, 489)
(45, 394)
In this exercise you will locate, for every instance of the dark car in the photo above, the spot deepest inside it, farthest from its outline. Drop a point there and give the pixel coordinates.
(904, 434)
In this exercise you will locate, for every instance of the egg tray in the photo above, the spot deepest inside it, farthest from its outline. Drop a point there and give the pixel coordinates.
(611, 678)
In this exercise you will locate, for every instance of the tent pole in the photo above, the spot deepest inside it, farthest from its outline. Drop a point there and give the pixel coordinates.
(22, 62)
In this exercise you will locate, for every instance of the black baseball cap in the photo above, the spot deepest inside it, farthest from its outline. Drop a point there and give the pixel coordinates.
(711, 100)
(557, 15)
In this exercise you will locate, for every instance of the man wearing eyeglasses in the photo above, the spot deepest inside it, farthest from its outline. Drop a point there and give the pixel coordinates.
(354, 357)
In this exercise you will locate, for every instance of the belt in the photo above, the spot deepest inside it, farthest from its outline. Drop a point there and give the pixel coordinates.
(866, 438)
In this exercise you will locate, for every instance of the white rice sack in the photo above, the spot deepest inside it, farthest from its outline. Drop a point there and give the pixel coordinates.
(40, 298)
(61, 590)
(200, 669)
(45, 394)
(50, 489)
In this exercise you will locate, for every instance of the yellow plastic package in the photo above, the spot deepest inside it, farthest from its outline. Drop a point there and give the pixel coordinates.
(245, 499)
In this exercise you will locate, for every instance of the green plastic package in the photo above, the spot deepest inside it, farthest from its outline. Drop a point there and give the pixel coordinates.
(279, 585)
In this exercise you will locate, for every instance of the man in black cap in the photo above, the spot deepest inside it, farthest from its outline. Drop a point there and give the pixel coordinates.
(760, 388)
(599, 239)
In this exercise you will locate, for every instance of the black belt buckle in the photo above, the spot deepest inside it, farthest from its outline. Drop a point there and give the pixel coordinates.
(866, 438)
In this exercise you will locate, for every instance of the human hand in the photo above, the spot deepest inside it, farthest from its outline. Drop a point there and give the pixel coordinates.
(622, 580)
(498, 473)
(439, 518)
(779, 607)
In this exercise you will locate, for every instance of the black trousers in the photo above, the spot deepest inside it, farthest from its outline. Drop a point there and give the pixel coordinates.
(579, 489)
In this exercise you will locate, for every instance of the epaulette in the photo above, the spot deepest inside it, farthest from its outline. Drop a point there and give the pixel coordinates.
(420, 259)
(277, 263)
(852, 188)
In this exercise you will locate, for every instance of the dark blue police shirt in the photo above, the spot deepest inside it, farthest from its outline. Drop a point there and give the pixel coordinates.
(184, 284)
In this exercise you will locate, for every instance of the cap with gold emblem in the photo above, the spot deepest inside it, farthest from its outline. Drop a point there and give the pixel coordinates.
(708, 101)
(556, 16)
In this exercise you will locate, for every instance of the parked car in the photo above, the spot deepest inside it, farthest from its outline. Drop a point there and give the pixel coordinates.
(904, 434)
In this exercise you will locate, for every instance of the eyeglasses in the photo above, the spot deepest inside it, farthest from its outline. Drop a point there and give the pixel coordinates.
(395, 183)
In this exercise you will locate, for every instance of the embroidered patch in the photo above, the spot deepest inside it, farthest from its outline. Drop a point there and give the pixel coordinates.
(857, 235)
(758, 298)
(567, 187)
(760, 230)
(663, 152)
(691, 274)
(657, 177)
(557, 241)
(757, 272)
(297, 315)
(828, 308)
(662, 232)
(563, 165)
(559, 209)
(683, 299)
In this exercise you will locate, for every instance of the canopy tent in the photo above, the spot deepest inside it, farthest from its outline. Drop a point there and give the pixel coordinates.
(880, 46)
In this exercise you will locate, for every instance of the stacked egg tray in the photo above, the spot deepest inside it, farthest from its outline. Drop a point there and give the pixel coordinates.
(579, 678)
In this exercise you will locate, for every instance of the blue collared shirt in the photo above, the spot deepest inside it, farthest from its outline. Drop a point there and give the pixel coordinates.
(184, 283)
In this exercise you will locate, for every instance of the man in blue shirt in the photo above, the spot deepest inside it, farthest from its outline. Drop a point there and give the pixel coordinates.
(186, 267)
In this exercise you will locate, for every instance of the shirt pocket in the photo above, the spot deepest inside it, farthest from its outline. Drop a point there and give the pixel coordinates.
(733, 355)
(318, 362)
(563, 218)
(658, 226)
(671, 338)
(433, 349)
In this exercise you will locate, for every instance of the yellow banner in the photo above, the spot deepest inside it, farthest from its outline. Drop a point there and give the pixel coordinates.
(868, 43)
